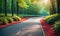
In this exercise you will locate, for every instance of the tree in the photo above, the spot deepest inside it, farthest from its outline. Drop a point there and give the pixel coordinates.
(1, 6)
(5, 7)
(17, 7)
(58, 5)
(22, 4)
(12, 8)
(52, 8)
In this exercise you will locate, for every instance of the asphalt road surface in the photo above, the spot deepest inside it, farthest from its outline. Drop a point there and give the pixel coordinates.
(30, 27)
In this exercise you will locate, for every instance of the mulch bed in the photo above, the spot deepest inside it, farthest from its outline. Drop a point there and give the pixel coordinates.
(15, 22)
(48, 29)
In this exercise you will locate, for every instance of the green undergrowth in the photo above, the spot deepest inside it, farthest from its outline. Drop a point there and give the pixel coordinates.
(54, 20)
(8, 19)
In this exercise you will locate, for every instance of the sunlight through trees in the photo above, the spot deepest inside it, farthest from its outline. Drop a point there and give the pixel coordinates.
(32, 7)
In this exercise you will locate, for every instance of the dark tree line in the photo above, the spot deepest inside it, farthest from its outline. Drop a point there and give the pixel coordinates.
(14, 7)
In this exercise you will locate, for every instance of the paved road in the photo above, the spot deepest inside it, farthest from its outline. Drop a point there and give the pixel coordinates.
(30, 27)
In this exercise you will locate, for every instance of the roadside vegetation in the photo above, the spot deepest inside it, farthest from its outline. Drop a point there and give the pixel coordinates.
(8, 19)
(54, 20)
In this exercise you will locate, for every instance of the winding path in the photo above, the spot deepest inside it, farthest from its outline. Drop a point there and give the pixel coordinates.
(30, 27)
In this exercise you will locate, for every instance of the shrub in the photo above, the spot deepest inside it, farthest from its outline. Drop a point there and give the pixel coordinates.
(8, 15)
(9, 19)
(57, 26)
(3, 21)
(16, 18)
(51, 19)
(50, 16)
(1, 15)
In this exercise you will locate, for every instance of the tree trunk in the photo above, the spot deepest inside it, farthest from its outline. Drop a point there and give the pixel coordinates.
(58, 6)
(12, 8)
(53, 10)
(17, 7)
(5, 7)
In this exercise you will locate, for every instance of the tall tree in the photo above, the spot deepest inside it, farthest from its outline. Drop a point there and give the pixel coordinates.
(58, 5)
(5, 7)
(0, 6)
(12, 8)
(17, 7)
(53, 10)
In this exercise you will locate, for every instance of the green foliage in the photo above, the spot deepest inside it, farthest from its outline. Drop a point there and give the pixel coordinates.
(9, 4)
(16, 18)
(27, 7)
(57, 26)
(23, 4)
(52, 19)
(3, 21)
(9, 19)
(1, 15)
(8, 15)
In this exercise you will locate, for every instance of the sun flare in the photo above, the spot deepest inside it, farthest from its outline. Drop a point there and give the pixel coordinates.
(46, 1)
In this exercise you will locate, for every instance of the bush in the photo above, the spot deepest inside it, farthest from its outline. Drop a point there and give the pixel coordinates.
(47, 17)
(1, 15)
(8, 15)
(51, 19)
(9, 19)
(57, 26)
(3, 21)
(16, 18)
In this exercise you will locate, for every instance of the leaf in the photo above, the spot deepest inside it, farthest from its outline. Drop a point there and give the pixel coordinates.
(23, 4)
